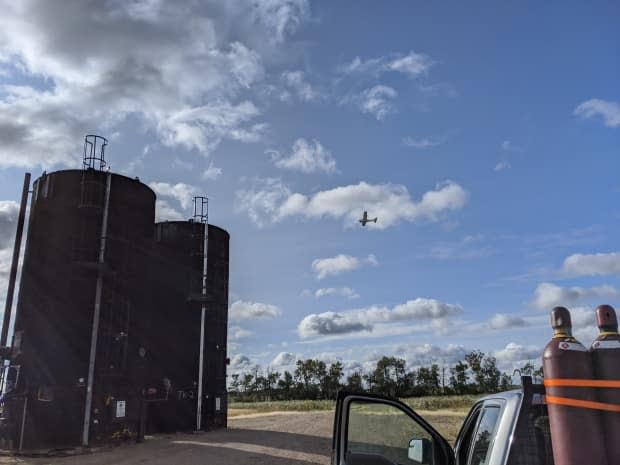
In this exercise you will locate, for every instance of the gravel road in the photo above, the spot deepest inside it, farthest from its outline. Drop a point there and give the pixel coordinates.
(283, 438)
(274, 439)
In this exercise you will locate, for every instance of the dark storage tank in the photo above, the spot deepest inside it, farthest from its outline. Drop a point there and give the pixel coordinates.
(54, 315)
(176, 270)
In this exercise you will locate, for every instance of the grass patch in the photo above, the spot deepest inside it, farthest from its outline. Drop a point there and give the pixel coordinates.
(456, 403)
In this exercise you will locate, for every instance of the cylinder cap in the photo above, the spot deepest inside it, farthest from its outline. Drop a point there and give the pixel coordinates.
(606, 319)
(560, 320)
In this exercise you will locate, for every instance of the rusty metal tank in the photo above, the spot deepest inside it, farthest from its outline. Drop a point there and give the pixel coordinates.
(576, 431)
(606, 360)
(54, 315)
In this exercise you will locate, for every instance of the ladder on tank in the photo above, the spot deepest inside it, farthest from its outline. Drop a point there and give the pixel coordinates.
(201, 216)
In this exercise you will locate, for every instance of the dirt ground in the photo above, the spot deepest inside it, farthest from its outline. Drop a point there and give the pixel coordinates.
(291, 438)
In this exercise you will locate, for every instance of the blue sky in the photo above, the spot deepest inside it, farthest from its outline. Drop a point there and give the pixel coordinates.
(485, 138)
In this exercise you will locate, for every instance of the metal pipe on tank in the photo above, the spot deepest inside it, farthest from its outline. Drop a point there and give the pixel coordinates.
(15, 262)
(203, 311)
(96, 314)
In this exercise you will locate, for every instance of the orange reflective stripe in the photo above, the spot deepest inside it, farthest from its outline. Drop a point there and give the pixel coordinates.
(582, 403)
(598, 383)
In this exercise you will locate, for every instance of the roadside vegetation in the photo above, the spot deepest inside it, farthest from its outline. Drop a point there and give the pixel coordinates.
(314, 380)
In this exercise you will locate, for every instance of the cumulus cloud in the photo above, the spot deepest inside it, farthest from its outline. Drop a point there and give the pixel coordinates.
(9, 211)
(412, 65)
(427, 354)
(240, 362)
(236, 332)
(307, 157)
(263, 201)
(182, 70)
(506, 321)
(514, 352)
(377, 101)
(242, 310)
(283, 359)
(211, 173)
(548, 295)
(364, 319)
(166, 212)
(608, 111)
(347, 292)
(269, 200)
(181, 192)
(296, 83)
(341, 263)
(592, 264)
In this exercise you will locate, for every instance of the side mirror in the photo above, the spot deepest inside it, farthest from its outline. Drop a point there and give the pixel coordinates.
(420, 450)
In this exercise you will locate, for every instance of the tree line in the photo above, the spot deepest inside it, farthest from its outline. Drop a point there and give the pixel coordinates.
(313, 379)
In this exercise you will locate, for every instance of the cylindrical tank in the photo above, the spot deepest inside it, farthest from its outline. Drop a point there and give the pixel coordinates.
(177, 269)
(56, 302)
(606, 360)
(576, 433)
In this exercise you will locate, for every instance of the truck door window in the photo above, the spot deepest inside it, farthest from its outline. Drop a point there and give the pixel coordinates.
(385, 430)
(483, 439)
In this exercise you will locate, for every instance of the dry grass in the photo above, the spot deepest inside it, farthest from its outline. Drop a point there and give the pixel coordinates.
(444, 413)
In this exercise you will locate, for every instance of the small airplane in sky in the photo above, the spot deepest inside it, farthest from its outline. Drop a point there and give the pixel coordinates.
(365, 219)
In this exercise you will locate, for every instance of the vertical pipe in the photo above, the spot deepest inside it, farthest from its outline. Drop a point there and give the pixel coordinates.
(96, 313)
(21, 432)
(202, 325)
(14, 264)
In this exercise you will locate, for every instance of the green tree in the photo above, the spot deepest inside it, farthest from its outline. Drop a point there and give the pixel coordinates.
(491, 375)
(458, 378)
(285, 385)
(474, 360)
(355, 382)
(390, 375)
(333, 379)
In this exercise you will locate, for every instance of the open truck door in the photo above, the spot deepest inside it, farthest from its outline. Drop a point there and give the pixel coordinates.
(374, 430)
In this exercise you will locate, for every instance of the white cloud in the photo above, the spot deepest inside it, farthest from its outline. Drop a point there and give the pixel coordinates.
(506, 321)
(422, 143)
(514, 352)
(9, 211)
(211, 173)
(307, 157)
(264, 201)
(377, 101)
(283, 359)
(548, 295)
(364, 319)
(271, 201)
(608, 111)
(413, 65)
(242, 310)
(341, 263)
(240, 362)
(165, 212)
(180, 68)
(347, 292)
(502, 166)
(296, 82)
(181, 192)
(592, 264)
(236, 332)
(282, 17)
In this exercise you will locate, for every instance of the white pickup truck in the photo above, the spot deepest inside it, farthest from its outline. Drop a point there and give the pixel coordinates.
(509, 428)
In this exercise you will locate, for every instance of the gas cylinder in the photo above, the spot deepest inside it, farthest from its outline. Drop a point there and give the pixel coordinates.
(576, 433)
(606, 361)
